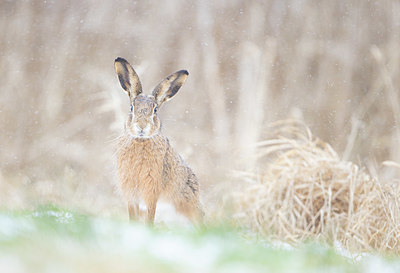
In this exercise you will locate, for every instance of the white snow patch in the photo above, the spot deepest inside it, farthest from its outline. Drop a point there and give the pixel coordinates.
(280, 245)
(177, 250)
(339, 249)
(9, 263)
(375, 264)
(63, 217)
(167, 214)
(10, 227)
(131, 238)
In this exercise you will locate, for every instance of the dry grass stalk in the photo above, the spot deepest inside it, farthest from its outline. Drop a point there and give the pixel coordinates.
(306, 192)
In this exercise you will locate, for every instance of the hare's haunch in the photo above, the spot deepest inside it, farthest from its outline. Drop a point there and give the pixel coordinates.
(148, 167)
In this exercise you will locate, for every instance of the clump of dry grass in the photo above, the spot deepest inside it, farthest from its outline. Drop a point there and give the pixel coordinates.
(305, 191)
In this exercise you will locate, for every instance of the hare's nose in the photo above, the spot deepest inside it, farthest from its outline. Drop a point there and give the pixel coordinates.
(142, 125)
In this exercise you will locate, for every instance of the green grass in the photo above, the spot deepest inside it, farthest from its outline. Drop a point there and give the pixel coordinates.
(50, 239)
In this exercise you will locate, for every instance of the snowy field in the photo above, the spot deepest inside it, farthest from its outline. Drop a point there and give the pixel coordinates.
(54, 240)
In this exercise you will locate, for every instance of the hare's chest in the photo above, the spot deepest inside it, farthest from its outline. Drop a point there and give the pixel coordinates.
(140, 165)
(146, 161)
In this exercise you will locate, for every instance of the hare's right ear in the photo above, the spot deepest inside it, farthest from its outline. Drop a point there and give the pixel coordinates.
(168, 87)
(128, 78)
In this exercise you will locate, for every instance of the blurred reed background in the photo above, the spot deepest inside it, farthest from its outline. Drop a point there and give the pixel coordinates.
(335, 65)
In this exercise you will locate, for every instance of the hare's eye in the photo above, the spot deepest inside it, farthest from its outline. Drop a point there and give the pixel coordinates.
(131, 108)
(155, 109)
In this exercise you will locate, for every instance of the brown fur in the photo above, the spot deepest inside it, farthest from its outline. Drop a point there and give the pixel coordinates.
(148, 167)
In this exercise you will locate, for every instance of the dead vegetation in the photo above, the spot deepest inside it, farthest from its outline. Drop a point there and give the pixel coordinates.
(305, 191)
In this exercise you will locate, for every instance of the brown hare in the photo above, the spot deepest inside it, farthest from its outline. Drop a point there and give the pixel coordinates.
(148, 167)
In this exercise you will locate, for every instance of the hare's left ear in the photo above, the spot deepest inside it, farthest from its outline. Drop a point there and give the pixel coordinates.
(168, 87)
(128, 78)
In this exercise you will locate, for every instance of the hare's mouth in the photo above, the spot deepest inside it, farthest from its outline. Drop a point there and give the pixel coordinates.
(138, 132)
(140, 135)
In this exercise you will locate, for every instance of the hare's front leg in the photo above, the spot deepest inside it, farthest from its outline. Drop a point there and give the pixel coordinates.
(134, 212)
(151, 211)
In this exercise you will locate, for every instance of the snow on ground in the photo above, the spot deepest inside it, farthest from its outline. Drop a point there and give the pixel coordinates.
(100, 242)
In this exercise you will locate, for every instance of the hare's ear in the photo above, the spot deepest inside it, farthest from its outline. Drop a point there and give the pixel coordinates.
(128, 78)
(168, 87)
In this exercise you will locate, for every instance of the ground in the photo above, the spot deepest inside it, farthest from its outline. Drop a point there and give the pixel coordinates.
(51, 239)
